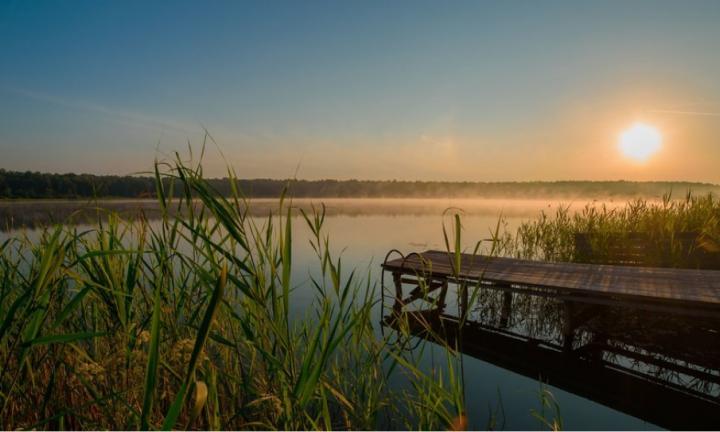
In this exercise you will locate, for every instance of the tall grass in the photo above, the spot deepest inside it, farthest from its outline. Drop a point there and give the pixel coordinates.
(187, 322)
(551, 237)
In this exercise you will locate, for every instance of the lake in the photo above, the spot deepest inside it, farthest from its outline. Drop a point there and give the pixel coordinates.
(364, 230)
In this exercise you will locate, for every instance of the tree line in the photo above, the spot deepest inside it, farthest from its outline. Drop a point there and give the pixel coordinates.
(17, 184)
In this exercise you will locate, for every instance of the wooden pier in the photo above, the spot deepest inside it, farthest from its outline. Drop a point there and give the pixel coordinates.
(642, 340)
(686, 291)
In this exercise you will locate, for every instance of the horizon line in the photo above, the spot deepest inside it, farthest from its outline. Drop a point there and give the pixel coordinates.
(149, 174)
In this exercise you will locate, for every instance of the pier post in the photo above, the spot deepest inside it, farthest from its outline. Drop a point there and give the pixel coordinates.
(397, 306)
(443, 294)
(506, 309)
(463, 301)
(568, 325)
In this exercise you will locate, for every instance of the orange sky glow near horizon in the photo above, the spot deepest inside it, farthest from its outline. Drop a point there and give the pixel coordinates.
(476, 91)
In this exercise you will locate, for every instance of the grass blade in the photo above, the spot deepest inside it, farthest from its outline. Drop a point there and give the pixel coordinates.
(174, 411)
(152, 363)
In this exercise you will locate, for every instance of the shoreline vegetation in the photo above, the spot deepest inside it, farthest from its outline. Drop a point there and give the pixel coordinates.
(189, 323)
(35, 185)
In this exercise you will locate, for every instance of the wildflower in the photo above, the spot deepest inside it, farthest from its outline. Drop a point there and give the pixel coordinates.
(90, 371)
(144, 336)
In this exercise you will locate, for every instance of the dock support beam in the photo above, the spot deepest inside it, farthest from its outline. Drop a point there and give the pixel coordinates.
(506, 310)
(397, 306)
(443, 294)
(568, 325)
(463, 301)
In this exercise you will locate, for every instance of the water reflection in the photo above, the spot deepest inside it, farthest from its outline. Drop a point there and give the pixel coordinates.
(662, 368)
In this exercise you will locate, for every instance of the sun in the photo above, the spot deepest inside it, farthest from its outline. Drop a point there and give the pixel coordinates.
(639, 142)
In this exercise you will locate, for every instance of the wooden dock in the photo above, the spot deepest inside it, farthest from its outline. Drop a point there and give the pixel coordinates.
(609, 343)
(687, 291)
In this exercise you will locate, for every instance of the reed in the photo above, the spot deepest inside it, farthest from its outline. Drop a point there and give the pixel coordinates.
(551, 237)
(188, 322)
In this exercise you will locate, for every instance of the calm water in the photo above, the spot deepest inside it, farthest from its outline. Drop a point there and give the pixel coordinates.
(365, 230)
(490, 389)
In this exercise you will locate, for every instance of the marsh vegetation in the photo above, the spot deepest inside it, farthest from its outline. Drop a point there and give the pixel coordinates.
(187, 323)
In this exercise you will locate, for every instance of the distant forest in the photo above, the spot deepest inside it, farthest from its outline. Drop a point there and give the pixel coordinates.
(14, 184)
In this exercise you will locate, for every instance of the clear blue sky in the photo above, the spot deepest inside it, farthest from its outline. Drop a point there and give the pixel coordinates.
(511, 90)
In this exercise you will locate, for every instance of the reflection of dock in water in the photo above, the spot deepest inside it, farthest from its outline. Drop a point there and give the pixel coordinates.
(653, 355)
(595, 372)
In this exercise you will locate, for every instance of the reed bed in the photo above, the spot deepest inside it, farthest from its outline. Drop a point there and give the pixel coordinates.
(187, 323)
(552, 237)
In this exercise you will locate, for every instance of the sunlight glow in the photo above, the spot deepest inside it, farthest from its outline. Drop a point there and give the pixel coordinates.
(639, 142)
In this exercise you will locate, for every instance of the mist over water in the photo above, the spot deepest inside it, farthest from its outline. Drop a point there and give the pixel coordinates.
(32, 213)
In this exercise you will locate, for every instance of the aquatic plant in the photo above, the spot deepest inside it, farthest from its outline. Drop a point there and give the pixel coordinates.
(188, 322)
(672, 233)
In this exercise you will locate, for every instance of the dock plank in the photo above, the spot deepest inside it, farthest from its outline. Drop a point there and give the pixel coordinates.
(649, 283)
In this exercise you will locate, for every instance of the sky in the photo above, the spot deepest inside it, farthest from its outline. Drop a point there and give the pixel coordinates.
(412, 90)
